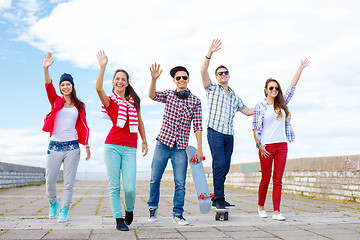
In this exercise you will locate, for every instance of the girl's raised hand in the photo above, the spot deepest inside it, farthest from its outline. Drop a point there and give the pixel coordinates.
(304, 63)
(47, 60)
(102, 58)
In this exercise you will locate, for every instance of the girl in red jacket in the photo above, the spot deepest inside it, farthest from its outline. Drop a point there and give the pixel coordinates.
(67, 126)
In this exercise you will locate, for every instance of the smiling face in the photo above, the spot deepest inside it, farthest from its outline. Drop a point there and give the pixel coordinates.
(179, 80)
(272, 89)
(66, 88)
(222, 75)
(120, 82)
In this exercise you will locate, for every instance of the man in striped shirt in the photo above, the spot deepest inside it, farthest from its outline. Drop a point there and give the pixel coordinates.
(181, 108)
(223, 103)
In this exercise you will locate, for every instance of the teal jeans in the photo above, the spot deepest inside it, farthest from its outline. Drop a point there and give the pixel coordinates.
(120, 163)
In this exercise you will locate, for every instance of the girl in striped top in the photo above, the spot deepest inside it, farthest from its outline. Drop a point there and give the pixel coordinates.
(122, 107)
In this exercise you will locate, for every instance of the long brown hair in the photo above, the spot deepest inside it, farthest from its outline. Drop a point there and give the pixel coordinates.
(79, 104)
(129, 90)
(279, 102)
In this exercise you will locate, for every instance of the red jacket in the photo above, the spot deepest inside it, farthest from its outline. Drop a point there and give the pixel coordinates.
(57, 103)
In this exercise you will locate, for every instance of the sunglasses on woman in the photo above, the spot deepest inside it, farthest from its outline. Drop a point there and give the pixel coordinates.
(272, 88)
(221, 73)
(183, 77)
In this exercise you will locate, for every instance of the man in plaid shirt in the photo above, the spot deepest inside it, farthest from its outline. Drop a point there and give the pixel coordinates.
(223, 103)
(181, 108)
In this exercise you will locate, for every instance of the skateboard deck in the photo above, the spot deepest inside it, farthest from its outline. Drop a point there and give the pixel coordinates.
(200, 182)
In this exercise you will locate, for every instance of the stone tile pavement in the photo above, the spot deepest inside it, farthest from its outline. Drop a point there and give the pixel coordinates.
(23, 215)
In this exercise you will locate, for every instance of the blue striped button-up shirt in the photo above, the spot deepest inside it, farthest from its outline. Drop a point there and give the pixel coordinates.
(222, 108)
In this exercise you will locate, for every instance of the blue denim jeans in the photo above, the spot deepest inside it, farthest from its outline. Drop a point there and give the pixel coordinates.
(221, 147)
(120, 163)
(161, 156)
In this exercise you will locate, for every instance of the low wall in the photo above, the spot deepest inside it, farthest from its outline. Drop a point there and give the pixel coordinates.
(336, 178)
(14, 175)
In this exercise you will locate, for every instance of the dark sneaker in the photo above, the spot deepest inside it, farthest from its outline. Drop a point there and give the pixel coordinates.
(120, 225)
(227, 205)
(220, 205)
(129, 216)
(180, 220)
(153, 215)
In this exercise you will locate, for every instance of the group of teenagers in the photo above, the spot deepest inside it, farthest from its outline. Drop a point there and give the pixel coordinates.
(68, 128)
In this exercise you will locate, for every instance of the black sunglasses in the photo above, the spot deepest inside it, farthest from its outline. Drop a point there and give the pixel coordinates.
(221, 73)
(183, 77)
(272, 88)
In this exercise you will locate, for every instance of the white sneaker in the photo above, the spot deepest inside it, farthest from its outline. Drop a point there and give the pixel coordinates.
(153, 215)
(262, 213)
(279, 217)
(180, 220)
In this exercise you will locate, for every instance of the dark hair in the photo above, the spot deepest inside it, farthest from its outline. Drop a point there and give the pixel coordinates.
(279, 102)
(221, 66)
(129, 91)
(79, 104)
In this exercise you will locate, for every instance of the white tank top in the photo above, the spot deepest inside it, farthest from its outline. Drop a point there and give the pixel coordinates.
(64, 125)
(273, 128)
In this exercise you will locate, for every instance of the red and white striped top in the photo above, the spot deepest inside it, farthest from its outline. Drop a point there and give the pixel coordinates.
(126, 111)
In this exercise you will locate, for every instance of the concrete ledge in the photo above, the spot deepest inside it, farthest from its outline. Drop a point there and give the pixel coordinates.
(14, 175)
(336, 178)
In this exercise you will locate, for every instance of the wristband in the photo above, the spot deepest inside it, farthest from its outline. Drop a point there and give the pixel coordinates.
(144, 143)
(258, 144)
(207, 57)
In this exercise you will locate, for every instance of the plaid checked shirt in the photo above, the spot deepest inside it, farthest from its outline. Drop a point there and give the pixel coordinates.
(259, 113)
(177, 118)
(222, 108)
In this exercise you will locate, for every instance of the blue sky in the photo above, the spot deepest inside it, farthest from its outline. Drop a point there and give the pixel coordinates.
(261, 39)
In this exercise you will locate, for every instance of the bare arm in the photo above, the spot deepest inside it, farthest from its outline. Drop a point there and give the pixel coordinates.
(215, 46)
(303, 64)
(47, 63)
(247, 111)
(199, 152)
(262, 149)
(155, 74)
(102, 58)
(141, 128)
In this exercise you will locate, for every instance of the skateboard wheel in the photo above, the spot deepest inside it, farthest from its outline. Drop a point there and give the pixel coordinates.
(202, 196)
(212, 195)
(193, 160)
(226, 216)
(217, 217)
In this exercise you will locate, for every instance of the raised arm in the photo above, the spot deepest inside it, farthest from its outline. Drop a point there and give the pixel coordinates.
(303, 64)
(155, 74)
(215, 46)
(103, 60)
(47, 63)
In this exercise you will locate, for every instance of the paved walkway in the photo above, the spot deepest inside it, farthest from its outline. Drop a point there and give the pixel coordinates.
(23, 215)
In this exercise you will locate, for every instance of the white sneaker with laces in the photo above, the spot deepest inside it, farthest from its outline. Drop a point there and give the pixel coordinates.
(153, 215)
(279, 217)
(262, 213)
(180, 220)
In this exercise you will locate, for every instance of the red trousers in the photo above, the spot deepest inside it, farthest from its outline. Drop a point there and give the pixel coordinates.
(278, 154)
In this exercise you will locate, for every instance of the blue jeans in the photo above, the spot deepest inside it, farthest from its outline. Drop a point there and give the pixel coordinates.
(221, 147)
(161, 156)
(120, 162)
